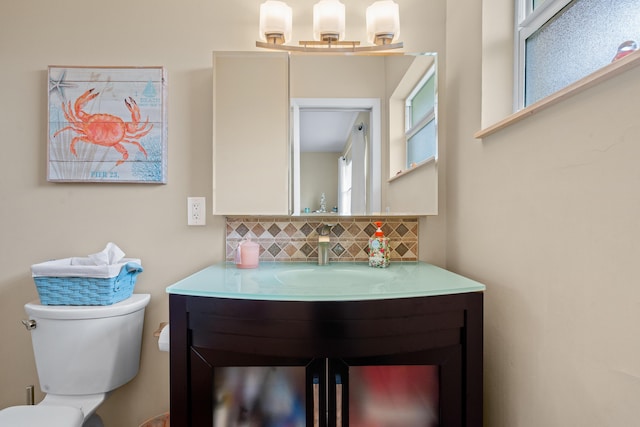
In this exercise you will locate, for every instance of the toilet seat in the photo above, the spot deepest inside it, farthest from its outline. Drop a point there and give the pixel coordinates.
(41, 415)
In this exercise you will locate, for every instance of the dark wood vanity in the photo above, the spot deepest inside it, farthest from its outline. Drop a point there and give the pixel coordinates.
(327, 339)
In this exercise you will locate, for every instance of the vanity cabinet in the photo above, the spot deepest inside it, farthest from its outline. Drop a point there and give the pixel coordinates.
(328, 341)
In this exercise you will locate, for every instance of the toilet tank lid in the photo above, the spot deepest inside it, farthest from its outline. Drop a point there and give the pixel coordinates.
(72, 312)
(41, 415)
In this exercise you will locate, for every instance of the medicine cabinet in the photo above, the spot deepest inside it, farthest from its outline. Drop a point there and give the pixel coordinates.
(258, 101)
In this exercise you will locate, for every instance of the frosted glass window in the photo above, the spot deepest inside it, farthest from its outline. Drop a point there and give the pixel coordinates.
(420, 127)
(537, 3)
(423, 102)
(422, 145)
(576, 41)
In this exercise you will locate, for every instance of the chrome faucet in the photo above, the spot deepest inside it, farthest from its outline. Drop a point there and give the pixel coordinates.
(323, 243)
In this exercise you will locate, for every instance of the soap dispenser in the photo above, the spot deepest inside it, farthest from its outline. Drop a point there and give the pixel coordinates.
(379, 248)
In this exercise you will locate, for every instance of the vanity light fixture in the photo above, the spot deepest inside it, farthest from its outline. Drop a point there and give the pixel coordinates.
(276, 20)
(383, 22)
(383, 27)
(328, 21)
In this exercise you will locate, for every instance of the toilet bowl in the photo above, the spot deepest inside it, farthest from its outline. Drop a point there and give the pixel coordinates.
(82, 353)
(41, 415)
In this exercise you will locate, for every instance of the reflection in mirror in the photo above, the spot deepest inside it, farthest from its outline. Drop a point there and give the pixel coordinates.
(413, 116)
(336, 162)
(338, 102)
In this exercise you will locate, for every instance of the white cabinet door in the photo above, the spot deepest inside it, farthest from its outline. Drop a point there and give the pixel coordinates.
(250, 133)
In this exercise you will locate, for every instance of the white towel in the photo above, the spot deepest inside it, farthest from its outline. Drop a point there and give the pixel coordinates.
(111, 254)
(104, 264)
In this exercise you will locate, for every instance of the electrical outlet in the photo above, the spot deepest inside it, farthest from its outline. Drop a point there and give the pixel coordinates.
(196, 211)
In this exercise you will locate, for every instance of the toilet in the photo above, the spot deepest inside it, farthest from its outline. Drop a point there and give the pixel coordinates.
(82, 353)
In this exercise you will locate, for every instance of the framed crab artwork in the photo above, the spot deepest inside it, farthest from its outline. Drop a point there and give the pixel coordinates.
(107, 124)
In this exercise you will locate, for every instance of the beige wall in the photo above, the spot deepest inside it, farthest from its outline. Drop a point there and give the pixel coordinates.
(546, 214)
(320, 176)
(40, 220)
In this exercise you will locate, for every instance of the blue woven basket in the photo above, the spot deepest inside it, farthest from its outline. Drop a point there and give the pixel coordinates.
(88, 290)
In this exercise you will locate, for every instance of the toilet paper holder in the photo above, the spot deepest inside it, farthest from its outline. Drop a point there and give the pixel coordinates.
(162, 333)
(157, 332)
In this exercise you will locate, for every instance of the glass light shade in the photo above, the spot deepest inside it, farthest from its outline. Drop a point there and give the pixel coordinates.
(328, 20)
(275, 22)
(383, 22)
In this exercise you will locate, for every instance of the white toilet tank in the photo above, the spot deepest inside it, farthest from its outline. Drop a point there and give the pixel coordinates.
(87, 349)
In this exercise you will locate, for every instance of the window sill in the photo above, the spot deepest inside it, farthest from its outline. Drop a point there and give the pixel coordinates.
(404, 172)
(608, 71)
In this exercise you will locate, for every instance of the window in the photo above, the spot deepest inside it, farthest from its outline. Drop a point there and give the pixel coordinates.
(420, 120)
(558, 42)
(344, 185)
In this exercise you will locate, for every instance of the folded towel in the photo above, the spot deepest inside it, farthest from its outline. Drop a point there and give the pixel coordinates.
(71, 267)
(105, 264)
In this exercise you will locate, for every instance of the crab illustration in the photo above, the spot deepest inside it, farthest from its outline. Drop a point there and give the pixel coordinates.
(104, 129)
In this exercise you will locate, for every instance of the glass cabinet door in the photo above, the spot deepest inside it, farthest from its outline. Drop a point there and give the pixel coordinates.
(261, 396)
(339, 396)
(383, 395)
(393, 396)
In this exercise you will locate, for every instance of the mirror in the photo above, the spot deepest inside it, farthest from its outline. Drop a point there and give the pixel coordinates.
(336, 155)
(347, 115)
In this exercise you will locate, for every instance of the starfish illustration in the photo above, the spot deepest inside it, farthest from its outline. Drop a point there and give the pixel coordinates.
(59, 85)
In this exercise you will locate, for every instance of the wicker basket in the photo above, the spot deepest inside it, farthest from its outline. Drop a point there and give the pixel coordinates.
(112, 283)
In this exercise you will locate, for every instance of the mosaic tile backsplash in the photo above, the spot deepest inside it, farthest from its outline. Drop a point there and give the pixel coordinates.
(295, 239)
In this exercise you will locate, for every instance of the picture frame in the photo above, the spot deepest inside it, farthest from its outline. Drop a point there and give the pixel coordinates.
(107, 124)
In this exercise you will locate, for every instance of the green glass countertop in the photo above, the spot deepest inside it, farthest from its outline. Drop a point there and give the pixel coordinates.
(340, 281)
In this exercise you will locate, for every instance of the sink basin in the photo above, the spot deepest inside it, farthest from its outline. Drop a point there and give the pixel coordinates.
(332, 278)
(339, 281)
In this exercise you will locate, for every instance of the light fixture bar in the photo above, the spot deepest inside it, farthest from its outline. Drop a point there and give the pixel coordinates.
(326, 47)
(328, 44)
